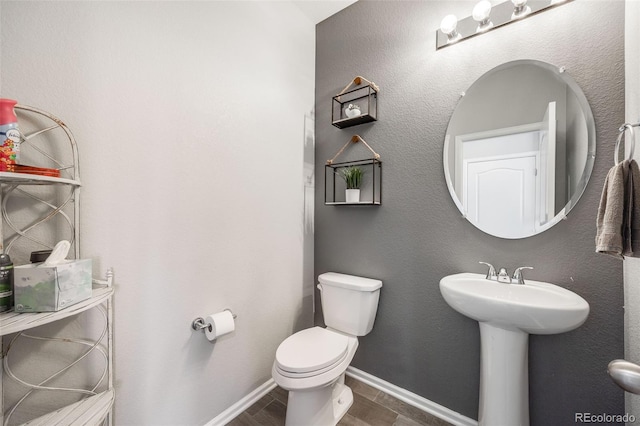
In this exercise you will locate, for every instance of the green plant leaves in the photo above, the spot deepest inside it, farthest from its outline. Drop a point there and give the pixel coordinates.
(352, 176)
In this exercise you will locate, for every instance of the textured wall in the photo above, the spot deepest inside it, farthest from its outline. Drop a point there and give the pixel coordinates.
(178, 109)
(418, 236)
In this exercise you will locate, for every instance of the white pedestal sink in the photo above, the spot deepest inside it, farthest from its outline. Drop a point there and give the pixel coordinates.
(507, 314)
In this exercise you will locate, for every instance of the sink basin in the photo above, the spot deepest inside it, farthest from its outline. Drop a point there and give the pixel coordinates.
(535, 307)
(507, 314)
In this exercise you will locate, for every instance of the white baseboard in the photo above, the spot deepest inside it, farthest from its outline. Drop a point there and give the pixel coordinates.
(236, 409)
(390, 389)
(411, 398)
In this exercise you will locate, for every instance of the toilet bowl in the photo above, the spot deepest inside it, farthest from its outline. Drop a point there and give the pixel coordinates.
(311, 363)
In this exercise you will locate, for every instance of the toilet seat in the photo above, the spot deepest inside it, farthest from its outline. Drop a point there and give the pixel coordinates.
(311, 352)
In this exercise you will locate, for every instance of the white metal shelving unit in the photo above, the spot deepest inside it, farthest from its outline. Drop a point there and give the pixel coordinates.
(19, 235)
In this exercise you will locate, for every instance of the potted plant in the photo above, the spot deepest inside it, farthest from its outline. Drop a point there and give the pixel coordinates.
(352, 177)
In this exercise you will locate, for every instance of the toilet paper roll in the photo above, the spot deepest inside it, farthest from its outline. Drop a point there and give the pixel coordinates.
(219, 324)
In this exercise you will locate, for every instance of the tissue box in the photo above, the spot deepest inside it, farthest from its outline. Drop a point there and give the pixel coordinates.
(40, 288)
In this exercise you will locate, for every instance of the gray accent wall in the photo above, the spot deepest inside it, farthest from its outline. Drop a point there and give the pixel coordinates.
(417, 235)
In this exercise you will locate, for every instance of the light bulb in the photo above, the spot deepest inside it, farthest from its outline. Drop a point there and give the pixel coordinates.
(481, 12)
(448, 25)
(520, 8)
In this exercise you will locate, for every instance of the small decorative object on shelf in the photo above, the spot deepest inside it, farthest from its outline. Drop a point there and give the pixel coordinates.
(354, 178)
(10, 137)
(356, 106)
(6, 283)
(352, 111)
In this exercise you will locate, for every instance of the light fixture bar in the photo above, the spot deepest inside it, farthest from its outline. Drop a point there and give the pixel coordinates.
(500, 14)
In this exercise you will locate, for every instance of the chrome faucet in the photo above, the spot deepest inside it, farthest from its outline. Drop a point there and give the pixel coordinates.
(503, 276)
(518, 275)
(491, 273)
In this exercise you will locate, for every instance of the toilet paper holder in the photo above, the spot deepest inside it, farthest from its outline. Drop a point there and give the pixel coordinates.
(198, 323)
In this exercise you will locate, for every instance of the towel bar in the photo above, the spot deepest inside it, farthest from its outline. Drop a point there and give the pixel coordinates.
(622, 130)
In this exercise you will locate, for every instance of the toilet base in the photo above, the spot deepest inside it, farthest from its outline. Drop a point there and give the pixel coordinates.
(323, 406)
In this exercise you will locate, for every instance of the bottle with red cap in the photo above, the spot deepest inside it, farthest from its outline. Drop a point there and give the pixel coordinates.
(10, 137)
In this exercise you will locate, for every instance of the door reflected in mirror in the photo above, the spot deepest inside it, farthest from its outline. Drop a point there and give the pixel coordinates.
(519, 149)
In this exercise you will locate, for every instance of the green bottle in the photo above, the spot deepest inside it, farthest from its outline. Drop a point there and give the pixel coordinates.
(6, 283)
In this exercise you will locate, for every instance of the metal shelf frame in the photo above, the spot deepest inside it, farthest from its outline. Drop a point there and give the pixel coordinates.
(57, 202)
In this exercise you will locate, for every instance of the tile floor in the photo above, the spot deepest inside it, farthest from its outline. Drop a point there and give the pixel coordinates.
(371, 407)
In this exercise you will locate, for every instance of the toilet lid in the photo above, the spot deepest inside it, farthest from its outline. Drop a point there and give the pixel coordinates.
(311, 350)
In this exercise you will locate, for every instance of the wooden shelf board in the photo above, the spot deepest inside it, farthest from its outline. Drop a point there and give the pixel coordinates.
(344, 203)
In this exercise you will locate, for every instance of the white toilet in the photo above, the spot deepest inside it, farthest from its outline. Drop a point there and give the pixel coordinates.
(311, 363)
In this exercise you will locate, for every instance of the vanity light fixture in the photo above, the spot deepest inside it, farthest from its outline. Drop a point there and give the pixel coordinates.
(520, 9)
(486, 17)
(481, 14)
(448, 26)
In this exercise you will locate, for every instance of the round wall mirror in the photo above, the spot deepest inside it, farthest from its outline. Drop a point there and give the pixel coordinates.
(519, 149)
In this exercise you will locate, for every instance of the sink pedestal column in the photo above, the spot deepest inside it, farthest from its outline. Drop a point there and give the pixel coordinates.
(504, 377)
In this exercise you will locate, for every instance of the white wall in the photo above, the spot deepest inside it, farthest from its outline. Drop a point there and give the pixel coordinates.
(189, 119)
(632, 266)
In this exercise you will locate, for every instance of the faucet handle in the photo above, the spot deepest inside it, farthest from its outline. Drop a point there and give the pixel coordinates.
(491, 273)
(518, 275)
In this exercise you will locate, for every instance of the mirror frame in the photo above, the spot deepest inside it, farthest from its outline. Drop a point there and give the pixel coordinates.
(591, 143)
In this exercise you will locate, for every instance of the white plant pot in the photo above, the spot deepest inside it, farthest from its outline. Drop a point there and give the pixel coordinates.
(352, 195)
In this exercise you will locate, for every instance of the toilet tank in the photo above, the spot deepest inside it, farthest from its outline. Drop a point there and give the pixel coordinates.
(349, 303)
